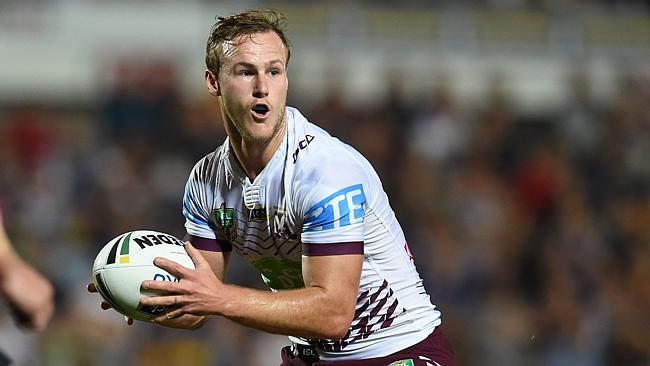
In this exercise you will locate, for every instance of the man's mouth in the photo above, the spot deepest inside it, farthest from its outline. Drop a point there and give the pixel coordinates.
(260, 110)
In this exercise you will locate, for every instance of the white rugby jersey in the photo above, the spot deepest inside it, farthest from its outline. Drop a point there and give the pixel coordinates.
(317, 196)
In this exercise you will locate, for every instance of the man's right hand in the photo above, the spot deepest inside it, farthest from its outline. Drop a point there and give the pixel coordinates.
(183, 322)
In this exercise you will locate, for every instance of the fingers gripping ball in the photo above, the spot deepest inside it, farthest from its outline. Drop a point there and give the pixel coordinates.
(127, 260)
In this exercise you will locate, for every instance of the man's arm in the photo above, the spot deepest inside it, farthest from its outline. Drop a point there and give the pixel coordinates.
(218, 262)
(323, 309)
(29, 293)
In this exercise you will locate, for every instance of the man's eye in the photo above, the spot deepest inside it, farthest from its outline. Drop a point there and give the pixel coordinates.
(275, 72)
(245, 73)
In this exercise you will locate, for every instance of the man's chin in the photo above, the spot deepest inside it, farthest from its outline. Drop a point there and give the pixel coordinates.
(259, 136)
(260, 132)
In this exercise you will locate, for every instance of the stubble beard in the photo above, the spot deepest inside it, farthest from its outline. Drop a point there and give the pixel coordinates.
(249, 138)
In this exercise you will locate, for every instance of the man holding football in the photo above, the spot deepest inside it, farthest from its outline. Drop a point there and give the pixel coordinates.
(307, 211)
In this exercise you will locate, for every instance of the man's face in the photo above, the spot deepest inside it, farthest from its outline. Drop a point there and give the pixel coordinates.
(253, 86)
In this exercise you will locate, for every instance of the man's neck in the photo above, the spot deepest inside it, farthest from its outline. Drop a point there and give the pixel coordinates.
(253, 157)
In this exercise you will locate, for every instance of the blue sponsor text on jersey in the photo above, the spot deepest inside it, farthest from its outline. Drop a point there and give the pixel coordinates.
(342, 208)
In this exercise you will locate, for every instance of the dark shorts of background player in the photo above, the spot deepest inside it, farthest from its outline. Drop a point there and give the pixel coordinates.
(435, 350)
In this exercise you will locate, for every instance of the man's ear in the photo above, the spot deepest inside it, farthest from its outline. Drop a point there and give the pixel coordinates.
(212, 84)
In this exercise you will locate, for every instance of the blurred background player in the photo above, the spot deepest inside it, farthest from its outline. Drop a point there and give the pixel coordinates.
(29, 295)
(27, 292)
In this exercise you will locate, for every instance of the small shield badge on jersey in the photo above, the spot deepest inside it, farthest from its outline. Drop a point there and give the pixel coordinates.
(226, 222)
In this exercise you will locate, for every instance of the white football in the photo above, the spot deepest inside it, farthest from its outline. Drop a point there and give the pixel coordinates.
(127, 260)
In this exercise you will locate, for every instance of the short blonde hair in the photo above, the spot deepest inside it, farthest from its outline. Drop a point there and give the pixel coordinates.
(245, 23)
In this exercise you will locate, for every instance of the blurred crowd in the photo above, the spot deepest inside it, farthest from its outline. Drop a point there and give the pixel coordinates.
(531, 231)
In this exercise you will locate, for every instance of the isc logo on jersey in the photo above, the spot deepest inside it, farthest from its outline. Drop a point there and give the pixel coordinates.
(343, 208)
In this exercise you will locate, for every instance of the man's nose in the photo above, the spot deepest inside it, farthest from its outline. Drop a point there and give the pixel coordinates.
(261, 87)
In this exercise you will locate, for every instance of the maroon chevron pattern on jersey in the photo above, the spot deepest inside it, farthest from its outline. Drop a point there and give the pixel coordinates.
(374, 311)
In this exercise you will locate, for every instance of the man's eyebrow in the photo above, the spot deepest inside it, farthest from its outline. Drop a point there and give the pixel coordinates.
(250, 65)
(273, 62)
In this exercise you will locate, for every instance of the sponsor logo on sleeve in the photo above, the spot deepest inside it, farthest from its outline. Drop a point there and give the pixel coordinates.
(343, 208)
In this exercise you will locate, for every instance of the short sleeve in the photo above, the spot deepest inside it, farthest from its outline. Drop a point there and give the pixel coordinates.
(334, 206)
(197, 203)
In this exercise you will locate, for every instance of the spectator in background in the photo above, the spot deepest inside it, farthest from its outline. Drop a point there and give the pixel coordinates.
(440, 134)
(28, 293)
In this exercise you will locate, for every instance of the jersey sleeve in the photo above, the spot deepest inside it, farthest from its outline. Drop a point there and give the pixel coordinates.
(197, 203)
(334, 206)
